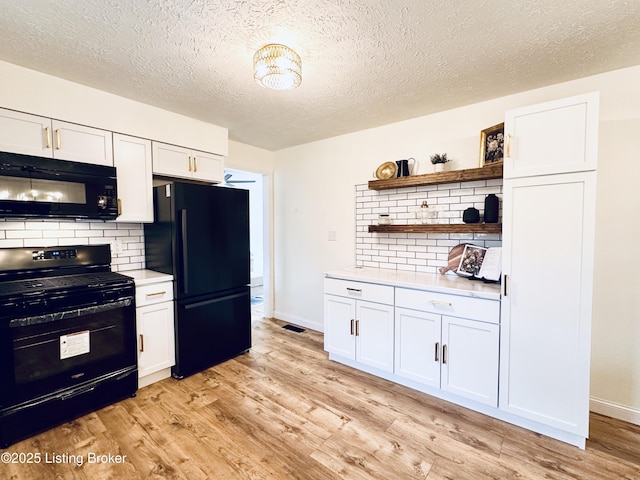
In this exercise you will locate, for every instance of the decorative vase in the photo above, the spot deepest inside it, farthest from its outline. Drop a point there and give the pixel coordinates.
(491, 208)
(438, 167)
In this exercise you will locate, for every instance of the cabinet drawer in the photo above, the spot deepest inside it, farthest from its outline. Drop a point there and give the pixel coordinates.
(358, 290)
(452, 305)
(154, 293)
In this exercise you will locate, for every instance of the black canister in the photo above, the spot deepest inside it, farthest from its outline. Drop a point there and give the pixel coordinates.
(471, 215)
(491, 208)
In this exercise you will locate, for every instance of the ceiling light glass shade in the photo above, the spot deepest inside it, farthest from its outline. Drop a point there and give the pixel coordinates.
(277, 67)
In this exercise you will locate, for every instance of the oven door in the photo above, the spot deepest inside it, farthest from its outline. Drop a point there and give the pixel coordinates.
(47, 188)
(56, 351)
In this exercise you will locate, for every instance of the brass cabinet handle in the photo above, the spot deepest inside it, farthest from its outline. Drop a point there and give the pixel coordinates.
(58, 139)
(508, 147)
(437, 358)
(195, 164)
(444, 353)
(357, 328)
(141, 343)
(352, 321)
(47, 131)
(119, 206)
(190, 167)
(155, 294)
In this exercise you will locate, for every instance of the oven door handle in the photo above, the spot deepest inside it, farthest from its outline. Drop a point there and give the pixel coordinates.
(63, 315)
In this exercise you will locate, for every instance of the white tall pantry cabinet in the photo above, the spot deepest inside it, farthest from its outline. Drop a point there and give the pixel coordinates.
(548, 245)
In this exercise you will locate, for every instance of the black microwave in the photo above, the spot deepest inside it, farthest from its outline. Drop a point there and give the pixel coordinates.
(37, 187)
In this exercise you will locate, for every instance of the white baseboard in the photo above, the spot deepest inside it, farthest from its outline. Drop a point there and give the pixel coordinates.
(615, 410)
(302, 322)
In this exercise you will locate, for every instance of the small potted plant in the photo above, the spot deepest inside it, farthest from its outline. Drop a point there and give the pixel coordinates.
(438, 161)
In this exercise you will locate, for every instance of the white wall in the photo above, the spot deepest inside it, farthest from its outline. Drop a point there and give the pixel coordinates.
(314, 193)
(40, 94)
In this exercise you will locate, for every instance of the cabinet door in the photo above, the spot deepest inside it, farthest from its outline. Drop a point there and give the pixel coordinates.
(339, 326)
(207, 167)
(553, 137)
(374, 335)
(132, 159)
(25, 134)
(82, 144)
(172, 161)
(470, 359)
(417, 346)
(156, 347)
(546, 305)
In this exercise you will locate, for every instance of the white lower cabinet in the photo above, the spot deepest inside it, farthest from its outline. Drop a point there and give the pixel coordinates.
(155, 328)
(456, 355)
(356, 328)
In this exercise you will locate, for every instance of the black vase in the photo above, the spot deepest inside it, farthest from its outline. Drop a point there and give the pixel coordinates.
(471, 215)
(491, 208)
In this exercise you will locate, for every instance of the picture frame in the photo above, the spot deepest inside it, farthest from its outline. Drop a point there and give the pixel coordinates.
(471, 260)
(492, 145)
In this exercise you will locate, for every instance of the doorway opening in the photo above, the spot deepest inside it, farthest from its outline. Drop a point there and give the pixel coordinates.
(254, 182)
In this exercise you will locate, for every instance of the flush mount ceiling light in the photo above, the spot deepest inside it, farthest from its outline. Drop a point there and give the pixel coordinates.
(277, 67)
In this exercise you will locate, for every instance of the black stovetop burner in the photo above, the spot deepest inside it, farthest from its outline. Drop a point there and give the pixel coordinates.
(50, 285)
(47, 271)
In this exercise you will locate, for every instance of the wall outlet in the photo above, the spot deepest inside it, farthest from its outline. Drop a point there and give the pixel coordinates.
(116, 247)
(332, 235)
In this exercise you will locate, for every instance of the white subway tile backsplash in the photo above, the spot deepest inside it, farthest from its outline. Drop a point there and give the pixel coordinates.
(47, 233)
(417, 251)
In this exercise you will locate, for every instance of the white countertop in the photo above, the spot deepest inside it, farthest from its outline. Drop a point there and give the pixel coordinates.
(147, 277)
(452, 284)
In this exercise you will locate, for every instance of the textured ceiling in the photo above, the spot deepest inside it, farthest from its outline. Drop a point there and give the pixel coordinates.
(365, 62)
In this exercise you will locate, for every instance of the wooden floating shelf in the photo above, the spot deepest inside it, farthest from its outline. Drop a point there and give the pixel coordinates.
(484, 173)
(438, 228)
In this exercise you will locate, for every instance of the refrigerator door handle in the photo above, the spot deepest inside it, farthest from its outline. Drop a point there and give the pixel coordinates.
(214, 300)
(185, 263)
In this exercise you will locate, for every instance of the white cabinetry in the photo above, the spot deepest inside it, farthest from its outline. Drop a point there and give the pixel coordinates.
(547, 285)
(554, 137)
(154, 324)
(434, 348)
(359, 322)
(132, 159)
(82, 144)
(180, 162)
(33, 135)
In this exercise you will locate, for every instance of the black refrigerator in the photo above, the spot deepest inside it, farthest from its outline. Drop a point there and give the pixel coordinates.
(200, 235)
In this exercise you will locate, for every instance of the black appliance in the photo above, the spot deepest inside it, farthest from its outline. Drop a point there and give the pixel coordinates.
(67, 337)
(201, 237)
(37, 187)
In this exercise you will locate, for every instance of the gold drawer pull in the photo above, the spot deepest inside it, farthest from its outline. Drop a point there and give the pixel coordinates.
(48, 134)
(156, 294)
(141, 343)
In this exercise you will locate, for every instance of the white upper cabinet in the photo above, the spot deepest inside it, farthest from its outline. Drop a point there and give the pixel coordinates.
(180, 162)
(555, 137)
(25, 134)
(82, 144)
(42, 137)
(132, 159)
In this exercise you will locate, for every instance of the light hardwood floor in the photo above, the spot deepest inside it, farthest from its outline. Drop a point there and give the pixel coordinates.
(283, 411)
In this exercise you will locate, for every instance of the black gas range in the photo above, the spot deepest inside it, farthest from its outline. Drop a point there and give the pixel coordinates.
(67, 336)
